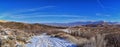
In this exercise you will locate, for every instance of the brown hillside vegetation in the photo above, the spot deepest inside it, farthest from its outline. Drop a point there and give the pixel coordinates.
(100, 36)
(84, 36)
(29, 28)
(13, 37)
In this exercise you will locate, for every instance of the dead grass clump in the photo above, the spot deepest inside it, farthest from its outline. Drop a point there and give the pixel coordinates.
(113, 40)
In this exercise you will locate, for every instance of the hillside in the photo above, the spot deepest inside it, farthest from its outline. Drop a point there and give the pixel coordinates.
(90, 35)
(97, 36)
(29, 28)
(13, 37)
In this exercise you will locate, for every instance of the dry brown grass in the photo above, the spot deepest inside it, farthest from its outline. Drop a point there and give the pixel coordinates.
(13, 37)
(104, 36)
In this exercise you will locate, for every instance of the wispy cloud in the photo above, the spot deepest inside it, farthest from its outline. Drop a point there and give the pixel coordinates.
(101, 14)
(19, 16)
(104, 7)
(32, 9)
(101, 5)
(18, 13)
(43, 16)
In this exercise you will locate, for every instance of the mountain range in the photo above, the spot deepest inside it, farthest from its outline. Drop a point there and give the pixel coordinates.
(80, 23)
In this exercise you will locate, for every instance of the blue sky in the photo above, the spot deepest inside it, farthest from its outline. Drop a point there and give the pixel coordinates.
(59, 11)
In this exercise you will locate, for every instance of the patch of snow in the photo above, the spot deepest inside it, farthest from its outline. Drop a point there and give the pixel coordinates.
(47, 41)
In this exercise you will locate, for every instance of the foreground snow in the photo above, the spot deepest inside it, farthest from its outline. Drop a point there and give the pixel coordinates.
(47, 41)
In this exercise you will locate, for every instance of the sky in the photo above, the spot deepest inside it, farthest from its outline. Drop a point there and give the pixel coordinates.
(59, 11)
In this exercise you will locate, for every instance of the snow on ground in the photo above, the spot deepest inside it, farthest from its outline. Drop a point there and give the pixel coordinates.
(47, 41)
(64, 30)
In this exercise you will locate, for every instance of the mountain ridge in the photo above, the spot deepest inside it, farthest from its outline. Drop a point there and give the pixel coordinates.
(81, 23)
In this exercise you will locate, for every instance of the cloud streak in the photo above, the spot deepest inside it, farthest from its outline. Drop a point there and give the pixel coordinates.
(19, 16)
(32, 9)
(18, 13)
(100, 14)
(101, 5)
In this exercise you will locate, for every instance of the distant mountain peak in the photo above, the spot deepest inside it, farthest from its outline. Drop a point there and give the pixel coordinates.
(79, 23)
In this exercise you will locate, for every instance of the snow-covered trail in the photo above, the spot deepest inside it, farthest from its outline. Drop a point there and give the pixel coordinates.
(47, 41)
